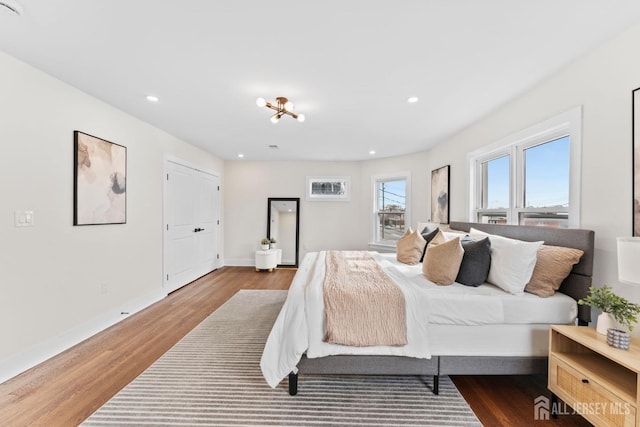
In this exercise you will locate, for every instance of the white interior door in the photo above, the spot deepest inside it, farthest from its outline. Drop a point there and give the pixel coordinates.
(191, 225)
(207, 221)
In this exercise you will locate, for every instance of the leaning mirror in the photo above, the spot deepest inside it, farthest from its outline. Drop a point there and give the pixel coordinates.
(283, 217)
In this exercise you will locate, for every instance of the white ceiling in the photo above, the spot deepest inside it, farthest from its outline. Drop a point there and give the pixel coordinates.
(348, 65)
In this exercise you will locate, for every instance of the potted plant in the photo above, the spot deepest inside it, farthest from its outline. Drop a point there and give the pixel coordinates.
(272, 243)
(265, 244)
(613, 307)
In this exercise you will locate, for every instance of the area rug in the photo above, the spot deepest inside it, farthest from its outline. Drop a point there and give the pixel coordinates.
(212, 377)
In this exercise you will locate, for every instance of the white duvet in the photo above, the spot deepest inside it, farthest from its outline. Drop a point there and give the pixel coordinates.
(299, 327)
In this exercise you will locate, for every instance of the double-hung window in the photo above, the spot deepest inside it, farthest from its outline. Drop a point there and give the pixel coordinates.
(530, 178)
(391, 207)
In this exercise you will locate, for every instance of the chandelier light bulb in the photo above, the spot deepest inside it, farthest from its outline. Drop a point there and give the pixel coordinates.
(282, 107)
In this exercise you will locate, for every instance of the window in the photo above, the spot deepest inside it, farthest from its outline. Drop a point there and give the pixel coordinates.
(531, 178)
(390, 217)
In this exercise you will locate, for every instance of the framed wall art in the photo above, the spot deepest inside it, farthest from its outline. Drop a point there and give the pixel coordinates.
(99, 181)
(440, 195)
(329, 188)
(635, 126)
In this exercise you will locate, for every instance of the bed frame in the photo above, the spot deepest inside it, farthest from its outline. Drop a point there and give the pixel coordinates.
(576, 285)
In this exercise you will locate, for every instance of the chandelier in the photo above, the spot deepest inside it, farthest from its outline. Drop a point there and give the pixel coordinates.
(282, 106)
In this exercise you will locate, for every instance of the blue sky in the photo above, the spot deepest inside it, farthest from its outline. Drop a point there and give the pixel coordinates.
(546, 176)
(395, 193)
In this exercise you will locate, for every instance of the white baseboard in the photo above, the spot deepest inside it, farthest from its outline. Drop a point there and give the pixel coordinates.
(27, 359)
(240, 262)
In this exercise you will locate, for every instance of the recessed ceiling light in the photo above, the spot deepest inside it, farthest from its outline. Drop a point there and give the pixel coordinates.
(240, 155)
(372, 152)
(412, 100)
(152, 98)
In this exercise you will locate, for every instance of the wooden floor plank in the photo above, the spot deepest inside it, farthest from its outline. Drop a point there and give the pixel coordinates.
(69, 387)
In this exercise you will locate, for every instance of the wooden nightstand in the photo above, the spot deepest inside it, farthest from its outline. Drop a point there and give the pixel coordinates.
(598, 381)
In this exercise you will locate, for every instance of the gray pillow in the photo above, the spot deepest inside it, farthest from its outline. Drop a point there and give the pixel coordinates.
(428, 236)
(476, 261)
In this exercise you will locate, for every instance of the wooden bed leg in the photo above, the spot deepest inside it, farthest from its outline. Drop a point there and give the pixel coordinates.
(436, 384)
(293, 384)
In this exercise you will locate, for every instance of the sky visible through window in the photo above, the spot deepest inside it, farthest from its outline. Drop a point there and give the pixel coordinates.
(547, 174)
(392, 193)
(546, 177)
(498, 183)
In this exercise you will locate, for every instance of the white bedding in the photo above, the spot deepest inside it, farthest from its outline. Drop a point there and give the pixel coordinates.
(299, 326)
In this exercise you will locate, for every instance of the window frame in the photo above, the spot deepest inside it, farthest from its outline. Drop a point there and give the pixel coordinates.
(569, 124)
(375, 180)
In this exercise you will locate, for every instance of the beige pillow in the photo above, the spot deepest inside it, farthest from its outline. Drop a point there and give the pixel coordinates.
(410, 246)
(442, 260)
(553, 265)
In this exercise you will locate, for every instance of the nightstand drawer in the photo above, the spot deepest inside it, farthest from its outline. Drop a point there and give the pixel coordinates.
(588, 398)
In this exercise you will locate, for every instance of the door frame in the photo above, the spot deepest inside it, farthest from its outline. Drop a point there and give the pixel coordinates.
(165, 170)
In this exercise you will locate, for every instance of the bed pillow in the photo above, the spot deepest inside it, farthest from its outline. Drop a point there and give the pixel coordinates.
(476, 261)
(410, 246)
(428, 237)
(452, 234)
(442, 261)
(512, 261)
(553, 265)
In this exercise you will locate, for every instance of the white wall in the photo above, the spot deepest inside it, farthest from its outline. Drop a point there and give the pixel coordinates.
(602, 83)
(323, 225)
(52, 275)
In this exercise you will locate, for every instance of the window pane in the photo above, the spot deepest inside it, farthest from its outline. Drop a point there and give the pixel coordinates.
(557, 220)
(492, 218)
(547, 174)
(495, 186)
(391, 210)
(392, 195)
(390, 227)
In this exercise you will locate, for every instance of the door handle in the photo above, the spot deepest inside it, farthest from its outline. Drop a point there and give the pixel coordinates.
(195, 230)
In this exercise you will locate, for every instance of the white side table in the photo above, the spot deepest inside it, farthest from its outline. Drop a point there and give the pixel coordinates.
(268, 260)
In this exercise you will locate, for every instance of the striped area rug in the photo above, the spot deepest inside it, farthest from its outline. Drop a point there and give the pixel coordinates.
(212, 377)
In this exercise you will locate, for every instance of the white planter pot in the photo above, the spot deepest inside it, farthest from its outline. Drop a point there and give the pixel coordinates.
(266, 248)
(605, 321)
(618, 339)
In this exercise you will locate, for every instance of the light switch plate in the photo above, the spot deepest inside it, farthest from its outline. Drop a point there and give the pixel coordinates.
(24, 218)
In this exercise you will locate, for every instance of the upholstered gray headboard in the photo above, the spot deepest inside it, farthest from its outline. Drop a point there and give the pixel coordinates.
(576, 285)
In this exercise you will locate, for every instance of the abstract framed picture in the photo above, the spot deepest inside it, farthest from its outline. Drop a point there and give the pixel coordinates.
(635, 126)
(440, 195)
(99, 181)
(329, 188)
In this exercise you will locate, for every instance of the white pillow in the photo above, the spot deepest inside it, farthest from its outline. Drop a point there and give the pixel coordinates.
(450, 235)
(512, 261)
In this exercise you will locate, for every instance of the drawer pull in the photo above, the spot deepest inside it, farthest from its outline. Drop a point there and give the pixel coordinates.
(585, 381)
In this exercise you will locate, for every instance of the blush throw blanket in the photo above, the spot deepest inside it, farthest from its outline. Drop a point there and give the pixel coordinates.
(363, 306)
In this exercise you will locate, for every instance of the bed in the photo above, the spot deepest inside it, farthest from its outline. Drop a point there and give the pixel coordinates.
(510, 338)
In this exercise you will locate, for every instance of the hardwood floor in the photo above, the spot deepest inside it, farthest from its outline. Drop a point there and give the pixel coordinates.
(66, 389)
(507, 400)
